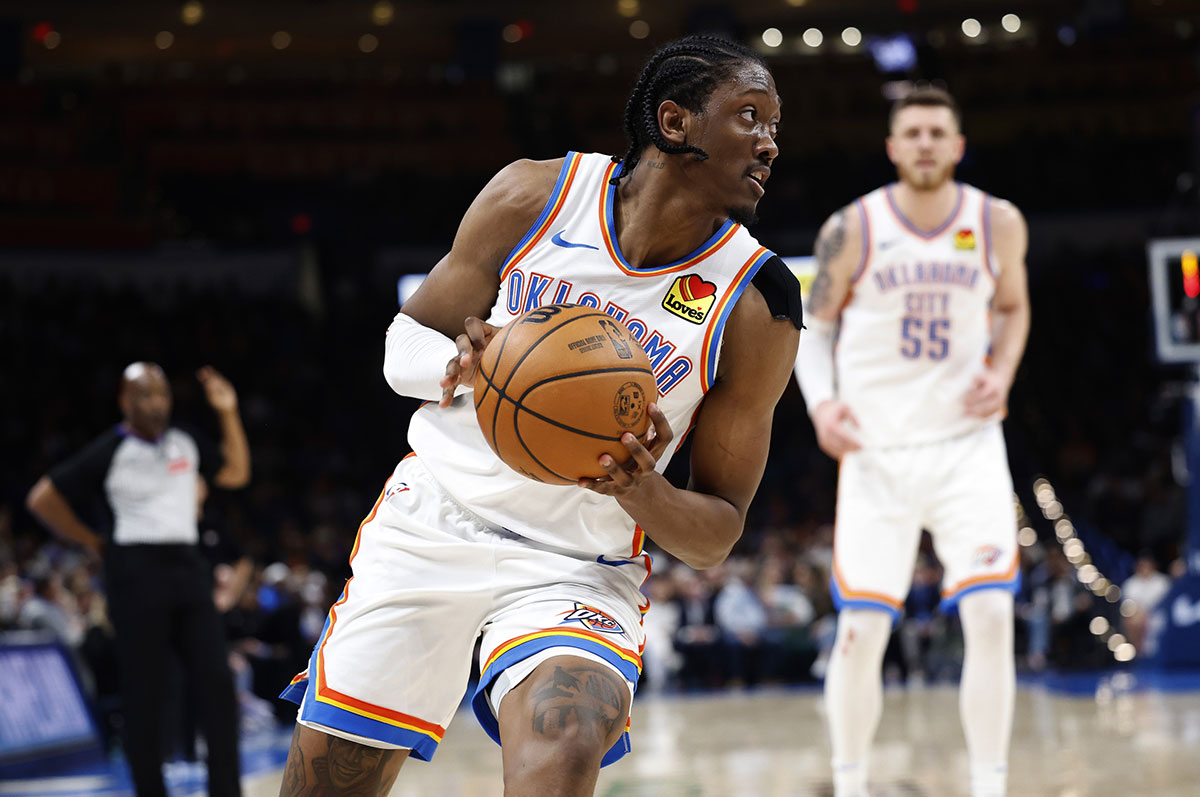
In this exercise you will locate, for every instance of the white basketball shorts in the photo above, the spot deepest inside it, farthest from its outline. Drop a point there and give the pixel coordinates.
(959, 489)
(430, 578)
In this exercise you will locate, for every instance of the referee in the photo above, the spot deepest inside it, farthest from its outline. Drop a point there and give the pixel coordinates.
(160, 591)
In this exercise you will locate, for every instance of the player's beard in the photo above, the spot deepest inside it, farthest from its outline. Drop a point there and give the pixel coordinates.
(926, 180)
(745, 215)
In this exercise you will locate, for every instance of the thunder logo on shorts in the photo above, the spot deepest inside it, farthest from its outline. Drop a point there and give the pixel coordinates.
(593, 619)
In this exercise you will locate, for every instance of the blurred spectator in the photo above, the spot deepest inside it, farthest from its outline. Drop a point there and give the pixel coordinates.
(922, 626)
(697, 637)
(1144, 589)
(48, 607)
(660, 661)
(742, 619)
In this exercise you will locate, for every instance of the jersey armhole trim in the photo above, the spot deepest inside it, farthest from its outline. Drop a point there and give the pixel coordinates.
(710, 349)
(558, 195)
(866, 241)
(986, 225)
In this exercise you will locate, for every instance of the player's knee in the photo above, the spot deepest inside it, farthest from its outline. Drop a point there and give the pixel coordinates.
(986, 609)
(573, 711)
(863, 629)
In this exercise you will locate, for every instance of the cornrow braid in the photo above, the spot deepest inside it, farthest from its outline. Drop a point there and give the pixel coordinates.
(687, 71)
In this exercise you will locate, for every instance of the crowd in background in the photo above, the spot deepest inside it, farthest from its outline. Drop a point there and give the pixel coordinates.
(325, 431)
(338, 169)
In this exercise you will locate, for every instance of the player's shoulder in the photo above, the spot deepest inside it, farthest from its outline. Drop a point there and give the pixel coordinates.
(526, 179)
(847, 219)
(1005, 216)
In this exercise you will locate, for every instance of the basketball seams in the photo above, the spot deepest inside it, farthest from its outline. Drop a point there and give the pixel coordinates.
(534, 344)
(506, 428)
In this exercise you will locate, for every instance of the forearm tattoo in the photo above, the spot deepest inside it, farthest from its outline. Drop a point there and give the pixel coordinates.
(339, 768)
(591, 695)
(829, 245)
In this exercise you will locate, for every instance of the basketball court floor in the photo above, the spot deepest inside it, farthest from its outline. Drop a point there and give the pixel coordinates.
(1110, 737)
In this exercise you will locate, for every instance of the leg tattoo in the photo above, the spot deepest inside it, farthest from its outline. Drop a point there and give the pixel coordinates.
(590, 694)
(336, 767)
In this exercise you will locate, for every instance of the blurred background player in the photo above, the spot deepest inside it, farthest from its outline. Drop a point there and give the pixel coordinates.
(159, 584)
(460, 547)
(921, 284)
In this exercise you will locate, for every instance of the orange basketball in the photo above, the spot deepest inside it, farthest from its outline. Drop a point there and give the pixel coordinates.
(557, 388)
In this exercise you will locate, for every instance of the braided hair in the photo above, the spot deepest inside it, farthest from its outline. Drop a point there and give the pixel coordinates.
(686, 71)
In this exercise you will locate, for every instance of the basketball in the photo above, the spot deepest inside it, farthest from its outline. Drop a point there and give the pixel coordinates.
(557, 388)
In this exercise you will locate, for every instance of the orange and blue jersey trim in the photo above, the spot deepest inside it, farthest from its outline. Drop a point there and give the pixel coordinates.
(846, 598)
(331, 708)
(608, 230)
(720, 314)
(1009, 580)
(628, 663)
(558, 195)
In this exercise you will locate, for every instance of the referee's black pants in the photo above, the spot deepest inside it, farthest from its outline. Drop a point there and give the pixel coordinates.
(160, 600)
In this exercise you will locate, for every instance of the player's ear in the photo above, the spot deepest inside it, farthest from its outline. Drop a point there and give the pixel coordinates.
(674, 121)
(888, 142)
(961, 148)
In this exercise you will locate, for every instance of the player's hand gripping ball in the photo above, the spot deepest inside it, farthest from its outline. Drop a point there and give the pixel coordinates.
(558, 387)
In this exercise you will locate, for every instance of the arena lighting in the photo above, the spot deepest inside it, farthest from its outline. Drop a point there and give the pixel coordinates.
(1085, 571)
(628, 8)
(1026, 537)
(796, 3)
(192, 12)
(280, 39)
(368, 42)
(52, 40)
(639, 29)
(813, 37)
(164, 39)
(852, 36)
(772, 37)
(971, 27)
(383, 12)
(1191, 274)
(1010, 22)
(40, 31)
(512, 34)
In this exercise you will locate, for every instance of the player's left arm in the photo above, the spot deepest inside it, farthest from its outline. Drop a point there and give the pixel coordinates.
(730, 441)
(1010, 311)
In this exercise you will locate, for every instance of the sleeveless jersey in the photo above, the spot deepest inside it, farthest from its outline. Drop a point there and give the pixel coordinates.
(676, 311)
(916, 327)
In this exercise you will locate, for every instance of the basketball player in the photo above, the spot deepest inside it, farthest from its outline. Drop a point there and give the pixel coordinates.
(459, 547)
(921, 285)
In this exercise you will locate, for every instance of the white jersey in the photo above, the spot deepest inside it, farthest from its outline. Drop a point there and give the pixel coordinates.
(676, 311)
(916, 327)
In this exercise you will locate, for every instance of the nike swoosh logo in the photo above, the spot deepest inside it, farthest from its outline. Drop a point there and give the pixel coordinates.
(557, 240)
(604, 560)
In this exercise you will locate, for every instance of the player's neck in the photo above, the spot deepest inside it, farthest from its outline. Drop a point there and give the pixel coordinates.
(657, 223)
(926, 208)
